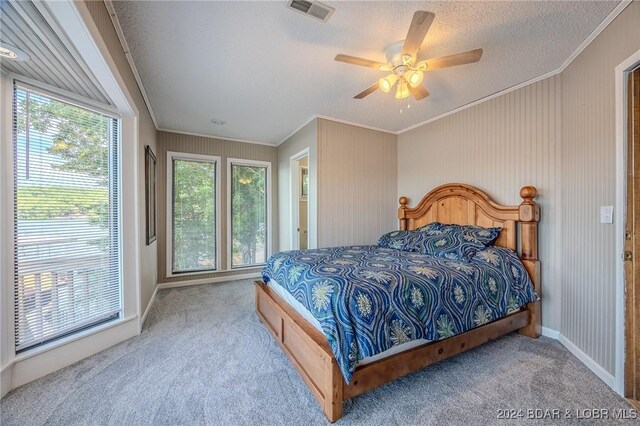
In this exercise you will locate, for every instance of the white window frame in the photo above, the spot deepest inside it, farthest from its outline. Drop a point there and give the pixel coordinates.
(60, 95)
(171, 156)
(242, 162)
(31, 364)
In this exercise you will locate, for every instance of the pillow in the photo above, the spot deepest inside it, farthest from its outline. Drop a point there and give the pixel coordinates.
(430, 227)
(454, 242)
(478, 234)
(396, 240)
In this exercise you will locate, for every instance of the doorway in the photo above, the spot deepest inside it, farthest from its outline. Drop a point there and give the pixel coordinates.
(632, 242)
(300, 201)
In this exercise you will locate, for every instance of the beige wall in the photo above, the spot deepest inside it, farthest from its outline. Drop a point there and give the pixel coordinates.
(499, 146)
(357, 184)
(559, 135)
(588, 180)
(305, 138)
(146, 136)
(352, 183)
(225, 149)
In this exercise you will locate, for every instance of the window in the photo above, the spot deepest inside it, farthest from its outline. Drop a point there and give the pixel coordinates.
(193, 209)
(66, 218)
(249, 212)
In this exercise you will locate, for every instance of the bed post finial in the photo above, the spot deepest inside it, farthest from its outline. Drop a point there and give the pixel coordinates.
(528, 192)
(401, 213)
(529, 213)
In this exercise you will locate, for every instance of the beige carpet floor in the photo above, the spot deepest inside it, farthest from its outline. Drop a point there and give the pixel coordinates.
(204, 358)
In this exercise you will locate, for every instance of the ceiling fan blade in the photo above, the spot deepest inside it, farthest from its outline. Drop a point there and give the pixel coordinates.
(456, 59)
(419, 92)
(366, 92)
(417, 32)
(359, 61)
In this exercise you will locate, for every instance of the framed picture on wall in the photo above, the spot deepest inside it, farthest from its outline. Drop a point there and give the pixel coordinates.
(150, 193)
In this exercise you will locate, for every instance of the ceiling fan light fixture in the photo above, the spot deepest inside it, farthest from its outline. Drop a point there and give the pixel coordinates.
(402, 61)
(387, 82)
(403, 90)
(415, 78)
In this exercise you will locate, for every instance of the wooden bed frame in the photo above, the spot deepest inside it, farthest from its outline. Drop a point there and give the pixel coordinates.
(308, 350)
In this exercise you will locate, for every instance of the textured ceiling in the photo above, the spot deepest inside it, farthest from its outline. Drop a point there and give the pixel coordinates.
(265, 69)
(52, 59)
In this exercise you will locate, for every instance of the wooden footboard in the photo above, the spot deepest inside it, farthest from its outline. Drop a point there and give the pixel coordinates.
(306, 348)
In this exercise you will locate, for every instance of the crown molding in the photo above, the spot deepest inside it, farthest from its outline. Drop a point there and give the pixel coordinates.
(336, 120)
(203, 135)
(353, 123)
(297, 129)
(595, 33)
(127, 53)
(482, 100)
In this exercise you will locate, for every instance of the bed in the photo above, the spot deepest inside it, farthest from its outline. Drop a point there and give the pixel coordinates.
(343, 351)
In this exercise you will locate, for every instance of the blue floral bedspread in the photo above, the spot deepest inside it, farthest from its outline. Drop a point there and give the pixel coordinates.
(368, 299)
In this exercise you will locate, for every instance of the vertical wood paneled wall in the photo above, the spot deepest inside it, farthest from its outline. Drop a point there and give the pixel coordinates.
(357, 182)
(588, 151)
(176, 142)
(499, 146)
(559, 135)
(146, 136)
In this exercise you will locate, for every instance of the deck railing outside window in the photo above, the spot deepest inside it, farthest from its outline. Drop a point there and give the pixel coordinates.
(66, 234)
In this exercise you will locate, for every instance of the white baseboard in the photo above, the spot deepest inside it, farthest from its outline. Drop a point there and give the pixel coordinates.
(596, 368)
(148, 308)
(5, 380)
(551, 333)
(212, 280)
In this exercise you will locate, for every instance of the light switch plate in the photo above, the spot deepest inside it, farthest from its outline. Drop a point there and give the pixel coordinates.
(606, 214)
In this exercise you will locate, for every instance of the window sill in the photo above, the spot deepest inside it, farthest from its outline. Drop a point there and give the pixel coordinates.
(69, 339)
(244, 268)
(190, 274)
(217, 271)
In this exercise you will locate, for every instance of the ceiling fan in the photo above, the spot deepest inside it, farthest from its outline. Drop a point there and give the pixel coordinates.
(403, 64)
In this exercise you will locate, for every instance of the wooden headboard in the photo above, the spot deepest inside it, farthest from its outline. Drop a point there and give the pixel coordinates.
(462, 204)
(466, 205)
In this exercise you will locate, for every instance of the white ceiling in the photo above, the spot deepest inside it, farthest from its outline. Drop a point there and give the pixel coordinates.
(53, 60)
(265, 69)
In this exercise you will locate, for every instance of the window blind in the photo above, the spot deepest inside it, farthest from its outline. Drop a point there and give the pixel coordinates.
(66, 218)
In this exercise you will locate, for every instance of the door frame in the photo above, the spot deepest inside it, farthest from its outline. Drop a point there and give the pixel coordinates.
(621, 73)
(294, 180)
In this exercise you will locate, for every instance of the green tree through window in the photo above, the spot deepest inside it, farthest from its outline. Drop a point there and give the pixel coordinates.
(194, 215)
(66, 231)
(74, 140)
(248, 214)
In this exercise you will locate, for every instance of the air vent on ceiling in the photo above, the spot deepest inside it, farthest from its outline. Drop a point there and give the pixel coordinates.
(315, 9)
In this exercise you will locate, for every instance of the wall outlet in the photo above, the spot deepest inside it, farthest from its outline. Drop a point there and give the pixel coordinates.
(606, 214)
